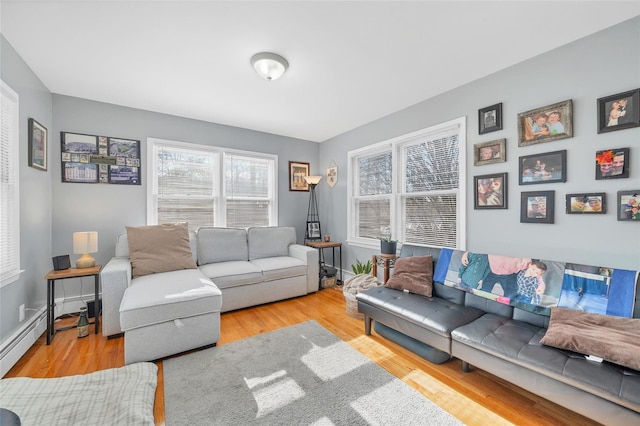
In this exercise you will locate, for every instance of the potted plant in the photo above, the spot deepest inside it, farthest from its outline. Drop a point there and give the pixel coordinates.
(361, 280)
(388, 246)
(361, 268)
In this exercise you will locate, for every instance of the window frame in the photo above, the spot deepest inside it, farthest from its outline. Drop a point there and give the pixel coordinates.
(395, 145)
(10, 267)
(219, 191)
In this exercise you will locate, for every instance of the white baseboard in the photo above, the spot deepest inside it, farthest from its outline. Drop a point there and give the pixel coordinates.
(20, 342)
(72, 304)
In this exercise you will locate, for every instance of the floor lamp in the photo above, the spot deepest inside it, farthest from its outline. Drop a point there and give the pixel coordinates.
(313, 218)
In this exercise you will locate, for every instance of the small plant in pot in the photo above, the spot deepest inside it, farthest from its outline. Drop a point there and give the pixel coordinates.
(361, 268)
(388, 246)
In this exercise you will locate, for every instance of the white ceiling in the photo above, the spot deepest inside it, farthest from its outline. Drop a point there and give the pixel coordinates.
(350, 62)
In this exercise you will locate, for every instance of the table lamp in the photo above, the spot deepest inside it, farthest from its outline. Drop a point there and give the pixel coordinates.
(85, 243)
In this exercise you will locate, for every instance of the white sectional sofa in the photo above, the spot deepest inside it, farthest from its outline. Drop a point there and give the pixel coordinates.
(236, 268)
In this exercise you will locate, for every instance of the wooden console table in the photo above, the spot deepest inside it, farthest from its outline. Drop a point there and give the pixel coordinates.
(386, 262)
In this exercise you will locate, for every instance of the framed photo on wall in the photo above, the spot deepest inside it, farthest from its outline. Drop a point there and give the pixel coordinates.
(537, 207)
(546, 124)
(629, 205)
(490, 191)
(612, 163)
(490, 119)
(620, 111)
(37, 145)
(589, 203)
(297, 172)
(543, 168)
(490, 152)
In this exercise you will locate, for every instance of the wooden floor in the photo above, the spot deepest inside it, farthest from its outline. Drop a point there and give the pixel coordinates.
(476, 398)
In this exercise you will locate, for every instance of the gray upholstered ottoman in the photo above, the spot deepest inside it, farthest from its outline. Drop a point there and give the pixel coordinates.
(168, 313)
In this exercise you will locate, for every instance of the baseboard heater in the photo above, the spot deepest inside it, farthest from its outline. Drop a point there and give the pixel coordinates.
(20, 342)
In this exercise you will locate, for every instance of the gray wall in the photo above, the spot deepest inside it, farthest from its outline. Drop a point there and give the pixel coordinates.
(600, 65)
(109, 208)
(35, 196)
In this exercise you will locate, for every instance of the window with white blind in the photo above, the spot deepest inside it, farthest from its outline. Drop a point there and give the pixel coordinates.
(409, 188)
(210, 186)
(9, 187)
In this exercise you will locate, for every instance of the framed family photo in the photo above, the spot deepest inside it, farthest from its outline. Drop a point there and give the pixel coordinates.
(297, 172)
(629, 205)
(619, 111)
(589, 203)
(490, 119)
(543, 168)
(313, 230)
(537, 207)
(612, 163)
(546, 124)
(490, 191)
(490, 152)
(37, 145)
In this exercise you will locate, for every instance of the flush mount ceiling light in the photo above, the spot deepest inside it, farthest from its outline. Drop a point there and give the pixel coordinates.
(269, 65)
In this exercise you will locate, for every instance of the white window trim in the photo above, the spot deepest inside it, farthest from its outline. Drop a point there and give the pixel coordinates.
(394, 145)
(219, 195)
(13, 126)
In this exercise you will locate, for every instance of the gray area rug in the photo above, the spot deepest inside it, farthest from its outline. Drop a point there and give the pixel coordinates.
(299, 375)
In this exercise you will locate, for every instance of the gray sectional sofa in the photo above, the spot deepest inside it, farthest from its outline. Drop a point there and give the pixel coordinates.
(504, 341)
(170, 312)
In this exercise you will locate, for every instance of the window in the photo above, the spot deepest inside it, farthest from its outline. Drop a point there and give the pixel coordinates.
(209, 186)
(409, 187)
(9, 187)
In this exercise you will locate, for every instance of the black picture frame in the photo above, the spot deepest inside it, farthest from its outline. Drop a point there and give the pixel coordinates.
(627, 116)
(586, 203)
(38, 144)
(490, 152)
(314, 232)
(629, 205)
(535, 126)
(490, 119)
(547, 167)
(612, 163)
(537, 207)
(490, 191)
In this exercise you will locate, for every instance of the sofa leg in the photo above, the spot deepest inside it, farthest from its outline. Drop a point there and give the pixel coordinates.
(466, 367)
(367, 325)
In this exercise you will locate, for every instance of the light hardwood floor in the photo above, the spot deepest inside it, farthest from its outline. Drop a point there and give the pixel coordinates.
(476, 398)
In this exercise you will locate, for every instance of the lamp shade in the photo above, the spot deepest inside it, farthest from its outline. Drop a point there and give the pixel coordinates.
(313, 180)
(269, 66)
(85, 242)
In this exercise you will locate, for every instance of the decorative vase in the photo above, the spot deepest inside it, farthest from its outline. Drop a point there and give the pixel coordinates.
(83, 323)
(388, 248)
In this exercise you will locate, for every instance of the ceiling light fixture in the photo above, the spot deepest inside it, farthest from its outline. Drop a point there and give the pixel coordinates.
(269, 65)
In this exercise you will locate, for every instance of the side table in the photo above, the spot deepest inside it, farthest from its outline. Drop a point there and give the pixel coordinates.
(52, 277)
(321, 245)
(386, 262)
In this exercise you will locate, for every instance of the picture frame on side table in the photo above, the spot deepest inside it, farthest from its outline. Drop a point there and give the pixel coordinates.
(490, 152)
(619, 111)
(297, 172)
(38, 144)
(537, 207)
(629, 205)
(543, 168)
(313, 231)
(490, 191)
(587, 203)
(490, 119)
(612, 163)
(546, 124)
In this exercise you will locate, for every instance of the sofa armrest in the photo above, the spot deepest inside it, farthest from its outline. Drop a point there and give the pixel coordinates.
(310, 257)
(115, 277)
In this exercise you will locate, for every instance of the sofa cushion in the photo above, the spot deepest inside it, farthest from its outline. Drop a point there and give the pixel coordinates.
(270, 241)
(615, 339)
(221, 245)
(122, 245)
(413, 274)
(275, 268)
(519, 342)
(168, 296)
(159, 248)
(232, 273)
